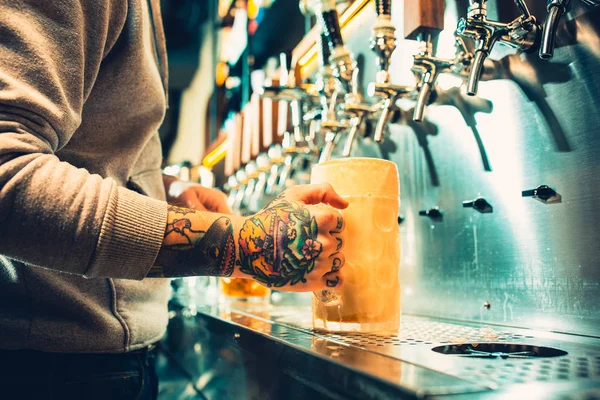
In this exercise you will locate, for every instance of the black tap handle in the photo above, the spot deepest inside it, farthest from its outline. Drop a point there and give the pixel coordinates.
(543, 193)
(330, 28)
(323, 51)
(433, 213)
(383, 7)
(480, 204)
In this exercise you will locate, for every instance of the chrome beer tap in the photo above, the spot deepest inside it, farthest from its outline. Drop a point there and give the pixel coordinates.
(389, 94)
(353, 111)
(242, 180)
(296, 160)
(276, 159)
(383, 40)
(556, 9)
(520, 33)
(233, 187)
(428, 68)
(383, 44)
(257, 197)
(300, 98)
(252, 175)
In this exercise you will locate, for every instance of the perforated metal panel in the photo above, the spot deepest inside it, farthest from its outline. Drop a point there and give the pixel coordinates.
(418, 336)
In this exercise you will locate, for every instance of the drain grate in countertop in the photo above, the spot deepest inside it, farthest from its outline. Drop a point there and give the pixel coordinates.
(414, 331)
(545, 370)
(419, 336)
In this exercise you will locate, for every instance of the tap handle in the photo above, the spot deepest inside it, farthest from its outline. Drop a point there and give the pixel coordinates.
(330, 25)
(423, 16)
(323, 50)
(284, 73)
(556, 8)
(298, 120)
(422, 100)
(383, 7)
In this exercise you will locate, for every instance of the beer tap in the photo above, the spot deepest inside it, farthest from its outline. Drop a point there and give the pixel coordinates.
(329, 95)
(383, 44)
(299, 98)
(345, 71)
(276, 159)
(556, 9)
(263, 164)
(383, 39)
(340, 59)
(233, 187)
(242, 180)
(521, 33)
(389, 93)
(425, 24)
(325, 81)
(296, 160)
(428, 68)
(252, 175)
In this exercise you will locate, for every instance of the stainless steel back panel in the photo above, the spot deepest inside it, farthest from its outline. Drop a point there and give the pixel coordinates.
(537, 265)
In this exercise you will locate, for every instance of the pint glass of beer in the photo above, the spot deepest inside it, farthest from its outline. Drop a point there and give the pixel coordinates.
(369, 299)
(245, 290)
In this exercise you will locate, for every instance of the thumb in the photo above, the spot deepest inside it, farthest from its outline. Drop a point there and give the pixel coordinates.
(316, 194)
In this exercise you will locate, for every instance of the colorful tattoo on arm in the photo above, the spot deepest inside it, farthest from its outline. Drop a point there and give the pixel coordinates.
(278, 198)
(193, 252)
(279, 246)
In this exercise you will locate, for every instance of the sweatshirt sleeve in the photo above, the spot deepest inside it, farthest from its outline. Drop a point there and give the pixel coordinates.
(52, 214)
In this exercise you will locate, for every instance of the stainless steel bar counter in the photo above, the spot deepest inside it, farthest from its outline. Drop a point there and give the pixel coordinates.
(246, 351)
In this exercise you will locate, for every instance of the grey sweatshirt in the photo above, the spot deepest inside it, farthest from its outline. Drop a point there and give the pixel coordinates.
(82, 210)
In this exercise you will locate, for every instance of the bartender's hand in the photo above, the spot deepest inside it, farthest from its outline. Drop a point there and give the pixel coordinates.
(197, 197)
(295, 243)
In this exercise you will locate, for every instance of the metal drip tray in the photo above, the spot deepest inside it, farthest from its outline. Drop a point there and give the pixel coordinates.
(434, 357)
(502, 350)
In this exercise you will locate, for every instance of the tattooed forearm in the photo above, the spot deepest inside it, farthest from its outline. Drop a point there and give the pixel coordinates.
(279, 246)
(190, 250)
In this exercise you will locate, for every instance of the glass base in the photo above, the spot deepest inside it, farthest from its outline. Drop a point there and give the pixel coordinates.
(321, 325)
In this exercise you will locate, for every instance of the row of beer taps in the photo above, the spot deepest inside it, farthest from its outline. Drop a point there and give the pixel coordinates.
(330, 114)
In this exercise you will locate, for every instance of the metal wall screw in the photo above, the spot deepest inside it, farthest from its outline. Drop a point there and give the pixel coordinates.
(487, 305)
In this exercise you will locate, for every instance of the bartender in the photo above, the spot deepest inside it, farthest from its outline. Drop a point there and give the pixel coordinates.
(86, 233)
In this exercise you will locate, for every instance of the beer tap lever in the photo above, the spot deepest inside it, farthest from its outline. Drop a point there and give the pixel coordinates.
(389, 94)
(423, 21)
(428, 68)
(341, 60)
(383, 39)
(520, 33)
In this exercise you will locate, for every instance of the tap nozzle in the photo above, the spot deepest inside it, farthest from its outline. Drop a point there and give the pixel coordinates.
(428, 68)
(298, 98)
(556, 8)
(331, 129)
(233, 185)
(389, 94)
(520, 33)
(356, 113)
